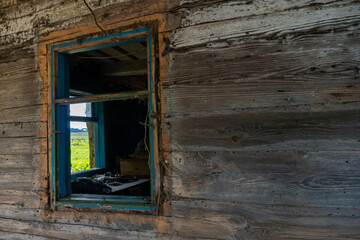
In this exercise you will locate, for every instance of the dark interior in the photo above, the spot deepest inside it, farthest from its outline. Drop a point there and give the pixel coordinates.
(117, 69)
(109, 70)
(125, 130)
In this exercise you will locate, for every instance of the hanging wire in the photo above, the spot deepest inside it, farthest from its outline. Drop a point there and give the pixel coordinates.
(92, 12)
(145, 138)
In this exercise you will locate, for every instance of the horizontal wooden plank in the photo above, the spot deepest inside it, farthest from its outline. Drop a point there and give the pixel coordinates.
(253, 178)
(252, 221)
(23, 129)
(184, 228)
(20, 199)
(246, 213)
(71, 231)
(22, 236)
(242, 220)
(268, 26)
(21, 28)
(19, 52)
(203, 230)
(314, 70)
(261, 162)
(20, 83)
(302, 108)
(307, 190)
(16, 67)
(18, 161)
(39, 19)
(297, 58)
(10, 8)
(27, 179)
(200, 12)
(22, 114)
(267, 131)
(165, 226)
(20, 90)
(200, 228)
(22, 145)
(264, 230)
(227, 97)
(104, 97)
(17, 212)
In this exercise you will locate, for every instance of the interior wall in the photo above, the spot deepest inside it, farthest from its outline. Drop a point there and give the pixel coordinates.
(124, 130)
(260, 107)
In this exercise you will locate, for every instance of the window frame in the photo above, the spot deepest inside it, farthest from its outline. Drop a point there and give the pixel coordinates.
(59, 70)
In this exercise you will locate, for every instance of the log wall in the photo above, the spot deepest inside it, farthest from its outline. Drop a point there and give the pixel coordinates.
(261, 110)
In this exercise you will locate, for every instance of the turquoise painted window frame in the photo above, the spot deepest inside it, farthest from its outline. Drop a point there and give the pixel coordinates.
(60, 161)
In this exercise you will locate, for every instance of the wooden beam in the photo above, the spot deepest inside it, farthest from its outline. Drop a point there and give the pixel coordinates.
(128, 68)
(126, 53)
(104, 97)
(82, 119)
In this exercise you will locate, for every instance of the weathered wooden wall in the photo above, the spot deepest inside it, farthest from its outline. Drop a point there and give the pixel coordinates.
(262, 112)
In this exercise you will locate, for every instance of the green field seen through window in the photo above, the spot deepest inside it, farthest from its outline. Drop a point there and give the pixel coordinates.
(80, 151)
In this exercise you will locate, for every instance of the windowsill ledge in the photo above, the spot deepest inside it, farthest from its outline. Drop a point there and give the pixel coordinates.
(107, 202)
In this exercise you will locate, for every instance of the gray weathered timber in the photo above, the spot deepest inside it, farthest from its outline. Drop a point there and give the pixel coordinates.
(257, 221)
(239, 9)
(22, 129)
(274, 73)
(299, 180)
(22, 114)
(281, 131)
(19, 162)
(260, 109)
(273, 25)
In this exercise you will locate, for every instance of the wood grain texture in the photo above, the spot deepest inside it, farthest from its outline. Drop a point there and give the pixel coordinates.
(22, 114)
(271, 25)
(255, 221)
(28, 20)
(23, 129)
(69, 231)
(21, 179)
(214, 11)
(23, 145)
(289, 73)
(16, 92)
(259, 119)
(19, 162)
(245, 178)
(281, 131)
(18, 236)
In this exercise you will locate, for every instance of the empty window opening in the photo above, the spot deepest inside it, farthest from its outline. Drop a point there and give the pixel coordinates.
(108, 139)
(82, 139)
